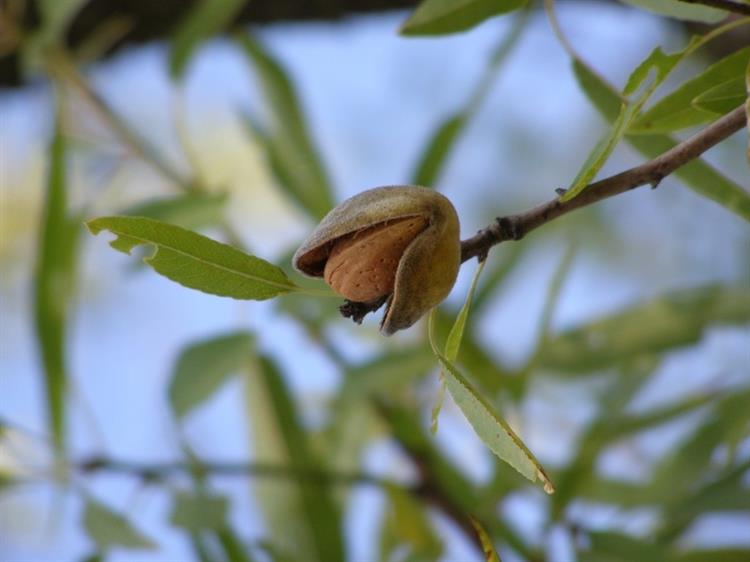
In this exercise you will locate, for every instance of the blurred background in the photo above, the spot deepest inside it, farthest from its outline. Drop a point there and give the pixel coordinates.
(615, 340)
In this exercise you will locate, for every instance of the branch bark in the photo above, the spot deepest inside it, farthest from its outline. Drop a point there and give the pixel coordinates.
(515, 227)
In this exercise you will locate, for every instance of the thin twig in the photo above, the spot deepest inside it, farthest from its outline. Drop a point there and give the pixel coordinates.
(728, 5)
(515, 227)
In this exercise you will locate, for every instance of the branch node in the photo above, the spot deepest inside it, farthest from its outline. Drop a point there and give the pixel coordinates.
(509, 229)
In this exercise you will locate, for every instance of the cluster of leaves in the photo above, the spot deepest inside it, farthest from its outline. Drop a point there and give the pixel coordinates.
(303, 509)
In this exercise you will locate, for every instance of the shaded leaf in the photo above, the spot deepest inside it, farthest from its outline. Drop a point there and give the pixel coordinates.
(440, 17)
(191, 210)
(609, 546)
(676, 110)
(197, 512)
(406, 524)
(195, 261)
(680, 10)
(673, 320)
(488, 549)
(301, 515)
(288, 144)
(722, 98)
(203, 367)
(696, 174)
(109, 529)
(435, 154)
(714, 555)
(233, 548)
(54, 281)
(204, 19)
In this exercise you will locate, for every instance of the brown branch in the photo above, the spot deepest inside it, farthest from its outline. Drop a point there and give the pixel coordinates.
(727, 5)
(515, 227)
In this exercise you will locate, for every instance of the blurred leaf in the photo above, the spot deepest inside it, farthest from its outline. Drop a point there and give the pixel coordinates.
(680, 10)
(289, 146)
(488, 549)
(723, 98)
(436, 152)
(503, 261)
(439, 17)
(191, 210)
(673, 320)
(233, 547)
(109, 529)
(489, 427)
(677, 111)
(54, 282)
(406, 525)
(199, 542)
(197, 512)
(204, 19)
(56, 16)
(300, 515)
(609, 546)
(203, 367)
(696, 174)
(195, 261)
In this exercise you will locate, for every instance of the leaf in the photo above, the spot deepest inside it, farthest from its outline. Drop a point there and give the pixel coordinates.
(191, 210)
(198, 512)
(714, 555)
(109, 529)
(435, 154)
(234, 549)
(204, 19)
(300, 514)
(676, 319)
(203, 367)
(453, 342)
(696, 174)
(490, 428)
(676, 111)
(195, 261)
(407, 526)
(440, 17)
(488, 549)
(680, 10)
(54, 282)
(722, 98)
(615, 547)
(289, 145)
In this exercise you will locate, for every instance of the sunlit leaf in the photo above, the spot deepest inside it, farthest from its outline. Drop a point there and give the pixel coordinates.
(674, 320)
(195, 261)
(439, 17)
(109, 529)
(204, 19)
(407, 530)
(288, 143)
(488, 549)
(680, 10)
(722, 98)
(455, 336)
(191, 211)
(677, 111)
(300, 514)
(197, 512)
(54, 284)
(203, 367)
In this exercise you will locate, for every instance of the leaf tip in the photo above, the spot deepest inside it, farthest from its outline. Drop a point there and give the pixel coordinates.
(549, 488)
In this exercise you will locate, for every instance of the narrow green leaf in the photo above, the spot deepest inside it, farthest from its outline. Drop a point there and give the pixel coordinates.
(619, 547)
(435, 154)
(195, 261)
(453, 342)
(680, 10)
(199, 512)
(191, 210)
(204, 19)
(697, 174)
(233, 547)
(54, 281)
(288, 143)
(407, 526)
(109, 529)
(673, 320)
(722, 98)
(301, 516)
(203, 367)
(488, 425)
(440, 17)
(677, 111)
(488, 549)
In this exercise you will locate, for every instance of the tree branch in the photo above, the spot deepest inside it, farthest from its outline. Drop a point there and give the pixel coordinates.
(727, 5)
(515, 227)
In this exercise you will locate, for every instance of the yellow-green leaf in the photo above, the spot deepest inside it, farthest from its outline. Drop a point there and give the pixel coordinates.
(109, 529)
(440, 17)
(488, 549)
